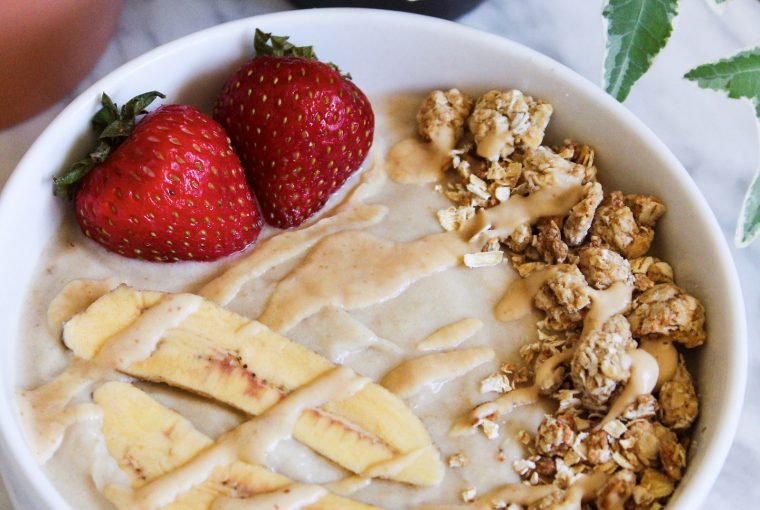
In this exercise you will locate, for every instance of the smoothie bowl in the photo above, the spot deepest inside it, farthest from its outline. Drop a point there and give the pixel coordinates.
(411, 361)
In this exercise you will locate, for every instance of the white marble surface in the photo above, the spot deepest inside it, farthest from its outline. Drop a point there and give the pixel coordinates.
(714, 138)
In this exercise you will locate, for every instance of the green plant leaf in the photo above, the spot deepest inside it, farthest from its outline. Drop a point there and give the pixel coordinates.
(738, 77)
(636, 32)
(748, 227)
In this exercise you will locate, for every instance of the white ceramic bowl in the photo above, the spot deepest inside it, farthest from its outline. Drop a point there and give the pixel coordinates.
(388, 52)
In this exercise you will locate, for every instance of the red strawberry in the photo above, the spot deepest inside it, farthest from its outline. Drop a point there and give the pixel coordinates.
(300, 128)
(170, 188)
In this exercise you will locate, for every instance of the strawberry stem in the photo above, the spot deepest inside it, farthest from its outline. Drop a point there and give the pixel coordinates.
(278, 46)
(113, 126)
(267, 44)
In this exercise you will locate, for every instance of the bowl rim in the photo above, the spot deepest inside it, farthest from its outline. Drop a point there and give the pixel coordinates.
(12, 443)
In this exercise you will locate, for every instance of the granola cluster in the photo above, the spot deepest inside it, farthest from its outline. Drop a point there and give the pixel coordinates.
(443, 115)
(603, 239)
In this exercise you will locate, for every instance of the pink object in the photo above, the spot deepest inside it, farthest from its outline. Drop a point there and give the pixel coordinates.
(46, 48)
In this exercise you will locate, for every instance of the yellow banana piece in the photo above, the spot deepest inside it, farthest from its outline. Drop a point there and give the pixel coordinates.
(235, 360)
(149, 440)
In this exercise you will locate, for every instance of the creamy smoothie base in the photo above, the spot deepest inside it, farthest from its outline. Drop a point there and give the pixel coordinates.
(381, 284)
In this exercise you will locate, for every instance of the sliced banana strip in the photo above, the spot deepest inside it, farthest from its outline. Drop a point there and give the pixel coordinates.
(149, 441)
(211, 351)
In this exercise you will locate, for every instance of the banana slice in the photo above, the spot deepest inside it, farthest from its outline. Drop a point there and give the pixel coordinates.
(75, 297)
(227, 357)
(148, 440)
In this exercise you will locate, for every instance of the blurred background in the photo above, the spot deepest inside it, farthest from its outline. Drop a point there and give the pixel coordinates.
(72, 43)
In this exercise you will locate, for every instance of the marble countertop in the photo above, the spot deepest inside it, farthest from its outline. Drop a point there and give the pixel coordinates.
(715, 138)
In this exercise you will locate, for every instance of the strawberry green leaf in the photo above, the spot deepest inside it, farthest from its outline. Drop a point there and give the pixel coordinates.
(278, 46)
(113, 127)
(106, 115)
(117, 129)
(636, 32)
(137, 105)
(65, 185)
(100, 153)
(738, 77)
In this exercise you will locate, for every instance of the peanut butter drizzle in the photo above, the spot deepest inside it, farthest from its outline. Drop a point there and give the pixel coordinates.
(138, 341)
(504, 218)
(352, 214)
(443, 507)
(292, 497)
(371, 182)
(286, 246)
(643, 378)
(497, 407)
(518, 300)
(249, 442)
(451, 335)
(46, 413)
(355, 269)
(665, 353)
(583, 489)
(413, 161)
(368, 270)
(411, 376)
(502, 221)
(604, 304)
(349, 336)
(45, 410)
(489, 147)
(516, 493)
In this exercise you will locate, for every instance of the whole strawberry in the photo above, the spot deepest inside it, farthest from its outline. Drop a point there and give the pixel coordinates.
(169, 188)
(300, 128)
